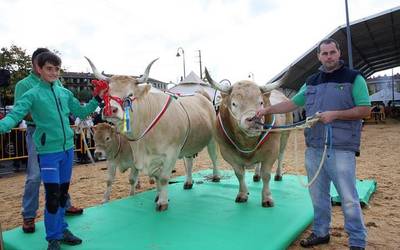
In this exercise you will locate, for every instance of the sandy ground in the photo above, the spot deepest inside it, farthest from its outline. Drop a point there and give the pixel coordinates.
(379, 160)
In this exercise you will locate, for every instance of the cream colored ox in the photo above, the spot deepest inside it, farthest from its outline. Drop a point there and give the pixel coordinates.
(183, 128)
(242, 142)
(115, 146)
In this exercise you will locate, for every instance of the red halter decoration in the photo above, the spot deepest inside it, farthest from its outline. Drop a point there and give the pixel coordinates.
(100, 85)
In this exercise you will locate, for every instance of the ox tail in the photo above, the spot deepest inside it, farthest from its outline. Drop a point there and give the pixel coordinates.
(204, 93)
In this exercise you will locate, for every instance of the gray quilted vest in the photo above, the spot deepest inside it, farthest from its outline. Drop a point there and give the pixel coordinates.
(332, 91)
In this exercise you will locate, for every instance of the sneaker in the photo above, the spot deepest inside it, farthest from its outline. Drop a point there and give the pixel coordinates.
(70, 239)
(53, 245)
(356, 248)
(74, 211)
(313, 240)
(28, 225)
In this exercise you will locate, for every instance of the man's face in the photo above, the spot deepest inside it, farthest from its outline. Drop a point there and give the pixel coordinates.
(329, 56)
(49, 72)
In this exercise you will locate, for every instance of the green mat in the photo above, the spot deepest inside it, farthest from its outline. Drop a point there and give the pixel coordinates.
(365, 189)
(205, 217)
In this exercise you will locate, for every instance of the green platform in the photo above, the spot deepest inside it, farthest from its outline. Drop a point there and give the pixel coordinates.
(204, 218)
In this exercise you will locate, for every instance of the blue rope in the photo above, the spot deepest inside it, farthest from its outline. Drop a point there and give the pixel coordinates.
(268, 126)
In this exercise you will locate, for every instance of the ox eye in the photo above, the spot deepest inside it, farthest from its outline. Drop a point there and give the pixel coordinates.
(234, 104)
(261, 103)
(107, 138)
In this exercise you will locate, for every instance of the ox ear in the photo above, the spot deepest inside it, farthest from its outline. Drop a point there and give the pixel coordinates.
(142, 90)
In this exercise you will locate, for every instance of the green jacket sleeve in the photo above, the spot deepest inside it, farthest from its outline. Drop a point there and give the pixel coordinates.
(20, 110)
(81, 111)
(20, 89)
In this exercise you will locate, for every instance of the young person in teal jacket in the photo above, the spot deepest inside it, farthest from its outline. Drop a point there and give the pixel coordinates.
(30, 198)
(49, 105)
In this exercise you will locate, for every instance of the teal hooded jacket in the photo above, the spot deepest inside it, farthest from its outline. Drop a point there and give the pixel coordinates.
(50, 105)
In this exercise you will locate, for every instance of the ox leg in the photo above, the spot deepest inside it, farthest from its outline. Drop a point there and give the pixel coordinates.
(162, 197)
(212, 152)
(267, 200)
(243, 191)
(188, 167)
(162, 179)
(282, 146)
(133, 180)
(111, 169)
(257, 176)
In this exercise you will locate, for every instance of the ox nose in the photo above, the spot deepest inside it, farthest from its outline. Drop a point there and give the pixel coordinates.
(98, 154)
(114, 110)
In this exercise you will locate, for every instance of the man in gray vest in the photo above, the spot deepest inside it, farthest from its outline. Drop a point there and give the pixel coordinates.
(339, 96)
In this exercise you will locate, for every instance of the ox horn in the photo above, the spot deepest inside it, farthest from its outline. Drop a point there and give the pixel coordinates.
(268, 87)
(145, 76)
(216, 85)
(96, 73)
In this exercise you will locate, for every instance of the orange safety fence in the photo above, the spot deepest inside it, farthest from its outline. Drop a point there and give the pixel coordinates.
(13, 144)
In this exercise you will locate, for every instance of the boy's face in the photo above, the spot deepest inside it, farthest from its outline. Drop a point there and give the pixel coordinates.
(49, 72)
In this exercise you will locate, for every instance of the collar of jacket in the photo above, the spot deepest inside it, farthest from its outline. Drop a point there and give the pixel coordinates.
(322, 67)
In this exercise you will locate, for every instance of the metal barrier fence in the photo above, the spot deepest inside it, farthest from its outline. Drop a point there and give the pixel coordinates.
(13, 144)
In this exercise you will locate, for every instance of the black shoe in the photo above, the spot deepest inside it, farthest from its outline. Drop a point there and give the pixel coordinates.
(28, 225)
(356, 248)
(313, 240)
(70, 239)
(53, 245)
(74, 211)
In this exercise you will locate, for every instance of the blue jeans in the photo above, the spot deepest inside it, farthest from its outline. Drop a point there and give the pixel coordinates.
(30, 198)
(338, 168)
(56, 169)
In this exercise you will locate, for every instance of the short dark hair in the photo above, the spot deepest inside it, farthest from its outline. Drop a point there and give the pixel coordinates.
(327, 41)
(48, 57)
(37, 52)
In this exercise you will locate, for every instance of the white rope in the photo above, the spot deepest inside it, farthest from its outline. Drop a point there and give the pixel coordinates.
(307, 185)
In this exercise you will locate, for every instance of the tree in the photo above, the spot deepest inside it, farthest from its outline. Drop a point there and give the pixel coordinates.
(18, 63)
(15, 60)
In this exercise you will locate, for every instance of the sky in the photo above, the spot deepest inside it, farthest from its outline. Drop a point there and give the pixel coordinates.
(237, 38)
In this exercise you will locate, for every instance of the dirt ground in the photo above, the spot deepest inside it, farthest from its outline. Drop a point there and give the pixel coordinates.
(379, 160)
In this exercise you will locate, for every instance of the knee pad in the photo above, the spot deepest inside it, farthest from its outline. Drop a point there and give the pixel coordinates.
(64, 194)
(52, 197)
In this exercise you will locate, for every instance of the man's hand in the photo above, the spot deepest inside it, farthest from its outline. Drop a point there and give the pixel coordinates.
(327, 116)
(262, 111)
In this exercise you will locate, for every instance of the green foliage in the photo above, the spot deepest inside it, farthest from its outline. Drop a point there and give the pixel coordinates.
(17, 62)
(84, 95)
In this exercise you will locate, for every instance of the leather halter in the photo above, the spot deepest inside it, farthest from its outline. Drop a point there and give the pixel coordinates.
(263, 137)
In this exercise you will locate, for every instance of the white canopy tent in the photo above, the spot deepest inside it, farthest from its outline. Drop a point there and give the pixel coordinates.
(192, 83)
(385, 95)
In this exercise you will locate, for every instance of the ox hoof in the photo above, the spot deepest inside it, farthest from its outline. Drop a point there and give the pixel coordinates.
(161, 207)
(216, 179)
(240, 199)
(269, 203)
(152, 181)
(256, 178)
(278, 178)
(187, 185)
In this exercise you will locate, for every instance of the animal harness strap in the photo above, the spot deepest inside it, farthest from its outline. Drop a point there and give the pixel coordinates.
(263, 138)
(119, 146)
(155, 120)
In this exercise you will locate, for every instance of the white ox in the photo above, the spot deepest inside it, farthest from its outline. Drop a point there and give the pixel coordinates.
(183, 129)
(242, 142)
